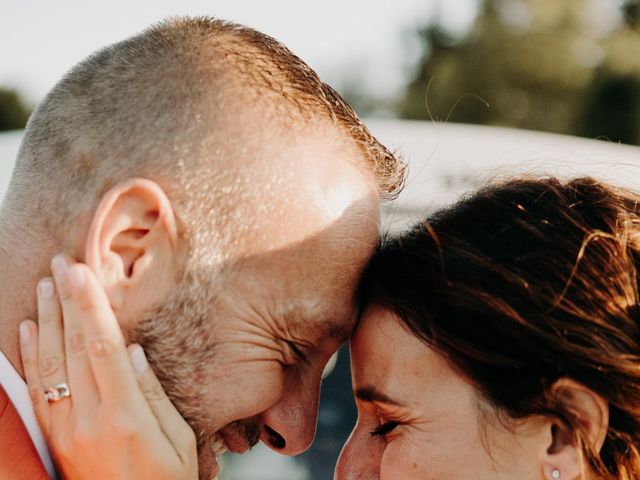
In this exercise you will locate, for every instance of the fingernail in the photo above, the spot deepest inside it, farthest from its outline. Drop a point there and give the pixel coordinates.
(138, 359)
(59, 265)
(25, 332)
(46, 288)
(76, 276)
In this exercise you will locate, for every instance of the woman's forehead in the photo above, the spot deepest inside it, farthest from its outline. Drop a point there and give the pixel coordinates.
(386, 354)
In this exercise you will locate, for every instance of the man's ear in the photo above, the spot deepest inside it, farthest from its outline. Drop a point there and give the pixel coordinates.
(133, 240)
(591, 412)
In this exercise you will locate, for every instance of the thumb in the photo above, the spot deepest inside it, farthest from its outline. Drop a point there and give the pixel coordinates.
(171, 422)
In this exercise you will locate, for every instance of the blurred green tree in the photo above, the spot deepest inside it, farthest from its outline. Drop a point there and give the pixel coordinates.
(570, 66)
(14, 111)
(612, 109)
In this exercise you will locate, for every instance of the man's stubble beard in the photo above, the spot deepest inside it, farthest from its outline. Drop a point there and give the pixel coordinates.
(178, 342)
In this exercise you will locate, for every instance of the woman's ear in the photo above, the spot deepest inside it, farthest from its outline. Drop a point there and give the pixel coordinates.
(133, 241)
(563, 458)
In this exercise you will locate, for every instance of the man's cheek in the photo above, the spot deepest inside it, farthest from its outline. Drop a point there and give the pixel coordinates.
(248, 392)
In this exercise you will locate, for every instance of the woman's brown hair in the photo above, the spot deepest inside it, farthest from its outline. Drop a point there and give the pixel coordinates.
(525, 283)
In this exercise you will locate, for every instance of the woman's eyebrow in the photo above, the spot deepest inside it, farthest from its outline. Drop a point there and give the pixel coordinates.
(371, 394)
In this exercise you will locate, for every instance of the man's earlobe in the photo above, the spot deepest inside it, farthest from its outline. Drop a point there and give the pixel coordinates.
(133, 230)
(563, 457)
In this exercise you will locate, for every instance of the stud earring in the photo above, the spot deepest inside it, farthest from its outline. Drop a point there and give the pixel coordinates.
(555, 473)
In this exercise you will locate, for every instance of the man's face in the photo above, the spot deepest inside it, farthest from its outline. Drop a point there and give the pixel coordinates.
(241, 352)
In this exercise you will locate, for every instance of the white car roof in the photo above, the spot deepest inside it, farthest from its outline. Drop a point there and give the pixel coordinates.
(448, 160)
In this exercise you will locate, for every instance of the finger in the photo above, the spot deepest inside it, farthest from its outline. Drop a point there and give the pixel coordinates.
(80, 375)
(114, 376)
(29, 355)
(50, 337)
(171, 422)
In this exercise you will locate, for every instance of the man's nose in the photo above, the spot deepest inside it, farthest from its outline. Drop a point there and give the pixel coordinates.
(359, 459)
(289, 427)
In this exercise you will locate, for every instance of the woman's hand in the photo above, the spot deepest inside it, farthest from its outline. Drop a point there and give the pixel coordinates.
(118, 422)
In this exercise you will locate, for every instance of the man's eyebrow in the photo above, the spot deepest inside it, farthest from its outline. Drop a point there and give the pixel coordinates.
(371, 394)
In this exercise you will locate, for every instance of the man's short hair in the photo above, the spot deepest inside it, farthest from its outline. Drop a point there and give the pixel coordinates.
(156, 105)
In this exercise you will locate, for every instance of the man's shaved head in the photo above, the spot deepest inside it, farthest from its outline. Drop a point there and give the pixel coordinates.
(190, 103)
(228, 201)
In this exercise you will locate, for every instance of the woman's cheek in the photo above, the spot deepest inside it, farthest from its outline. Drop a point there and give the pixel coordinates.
(401, 460)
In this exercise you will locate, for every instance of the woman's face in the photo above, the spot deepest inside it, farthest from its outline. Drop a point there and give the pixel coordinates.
(419, 419)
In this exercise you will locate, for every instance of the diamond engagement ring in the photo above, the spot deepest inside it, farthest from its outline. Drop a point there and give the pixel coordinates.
(57, 393)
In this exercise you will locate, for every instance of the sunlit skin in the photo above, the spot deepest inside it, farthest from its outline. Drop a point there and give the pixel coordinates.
(287, 302)
(419, 419)
(275, 322)
(300, 218)
(283, 304)
(279, 319)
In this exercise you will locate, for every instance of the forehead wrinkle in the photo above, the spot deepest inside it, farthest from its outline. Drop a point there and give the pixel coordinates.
(305, 326)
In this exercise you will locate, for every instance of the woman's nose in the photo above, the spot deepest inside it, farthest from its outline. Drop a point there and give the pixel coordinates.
(360, 458)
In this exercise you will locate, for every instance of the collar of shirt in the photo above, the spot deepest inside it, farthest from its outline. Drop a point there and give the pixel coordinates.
(18, 393)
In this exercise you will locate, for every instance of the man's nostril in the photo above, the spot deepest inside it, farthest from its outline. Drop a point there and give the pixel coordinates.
(276, 440)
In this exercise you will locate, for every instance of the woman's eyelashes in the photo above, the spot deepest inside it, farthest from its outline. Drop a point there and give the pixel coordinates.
(384, 429)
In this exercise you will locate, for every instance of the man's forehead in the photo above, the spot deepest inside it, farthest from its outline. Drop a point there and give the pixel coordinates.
(299, 200)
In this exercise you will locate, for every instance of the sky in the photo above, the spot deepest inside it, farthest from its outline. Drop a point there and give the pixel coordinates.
(365, 41)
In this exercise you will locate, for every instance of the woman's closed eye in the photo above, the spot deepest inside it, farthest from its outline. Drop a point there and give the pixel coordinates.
(384, 429)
